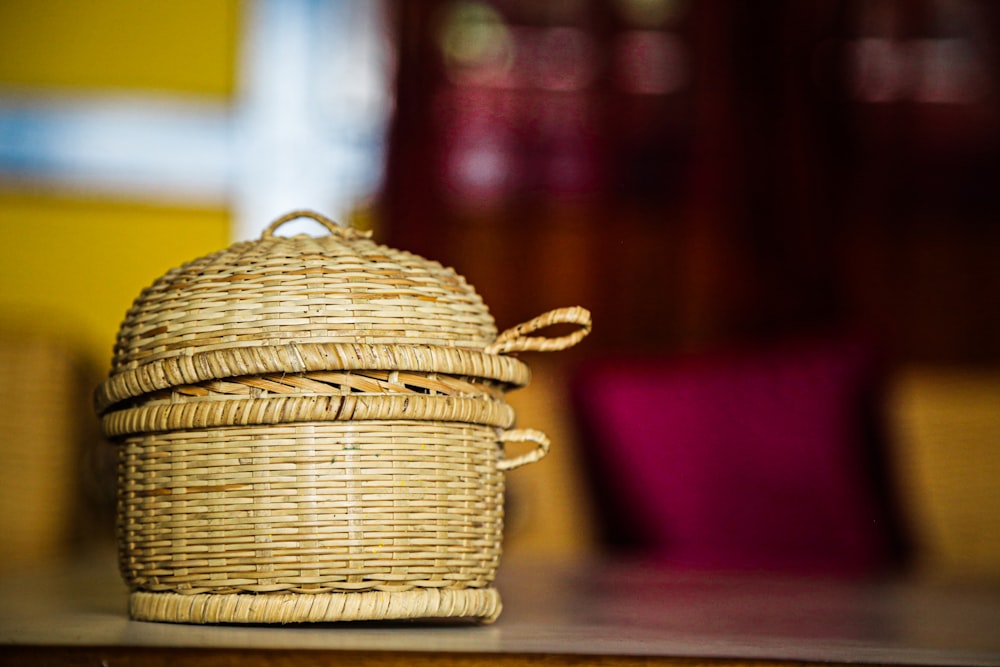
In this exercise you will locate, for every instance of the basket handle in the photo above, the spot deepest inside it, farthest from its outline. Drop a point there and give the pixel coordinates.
(523, 435)
(331, 225)
(516, 340)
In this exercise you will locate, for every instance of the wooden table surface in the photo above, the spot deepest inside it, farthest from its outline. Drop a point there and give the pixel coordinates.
(596, 613)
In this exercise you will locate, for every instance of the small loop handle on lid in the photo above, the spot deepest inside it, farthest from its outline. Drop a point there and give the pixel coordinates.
(331, 225)
(516, 340)
(541, 441)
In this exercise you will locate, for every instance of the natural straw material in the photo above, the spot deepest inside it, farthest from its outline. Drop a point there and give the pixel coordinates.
(480, 603)
(295, 409)
(306, 358)
(314, 508)
(340, 288)
(516, 339)
(321, 396)
(314, 429)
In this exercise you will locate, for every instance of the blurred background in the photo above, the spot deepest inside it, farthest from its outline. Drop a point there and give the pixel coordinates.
(782, 214)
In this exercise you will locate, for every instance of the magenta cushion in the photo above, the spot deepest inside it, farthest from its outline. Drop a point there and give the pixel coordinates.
(748, 460)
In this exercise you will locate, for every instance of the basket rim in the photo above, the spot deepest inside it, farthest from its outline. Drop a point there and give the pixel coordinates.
(243, 411)
(304, 358)
(482, 604)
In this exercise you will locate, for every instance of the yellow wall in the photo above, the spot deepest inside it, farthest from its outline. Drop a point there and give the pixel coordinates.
(74, 262)
(73, 267)
(175, 45)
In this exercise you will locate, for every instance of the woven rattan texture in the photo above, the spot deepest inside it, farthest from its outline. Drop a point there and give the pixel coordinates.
(480, 603)
(323, 396)
(340, 288)
(305, 358)
(314, 429)
(311, 508)
(337, 382)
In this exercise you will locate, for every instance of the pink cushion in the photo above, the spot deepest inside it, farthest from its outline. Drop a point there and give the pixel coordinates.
(752, 460)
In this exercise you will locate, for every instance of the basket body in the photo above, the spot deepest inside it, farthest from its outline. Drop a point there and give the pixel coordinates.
(317, 508)
(314, 430)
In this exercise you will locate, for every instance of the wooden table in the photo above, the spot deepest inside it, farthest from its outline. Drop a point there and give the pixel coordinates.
(596, 613)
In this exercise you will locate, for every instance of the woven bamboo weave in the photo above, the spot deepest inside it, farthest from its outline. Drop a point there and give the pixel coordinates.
(295, 409)
(311, 508)
(315, 429)
(333, 396)
(340, 288)
(479, 603)
(324, 382)
(304, 358)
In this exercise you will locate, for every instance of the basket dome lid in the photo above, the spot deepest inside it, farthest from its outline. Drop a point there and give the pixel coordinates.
(338, 288)
(301, 304)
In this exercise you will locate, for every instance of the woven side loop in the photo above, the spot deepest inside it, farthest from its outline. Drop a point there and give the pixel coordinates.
(516, 339)
(524, 435)
(331, 225)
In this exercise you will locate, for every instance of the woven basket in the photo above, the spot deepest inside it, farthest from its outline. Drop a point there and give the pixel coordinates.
(314, 429)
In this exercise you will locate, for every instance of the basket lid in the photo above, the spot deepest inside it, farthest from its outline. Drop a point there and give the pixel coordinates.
(302, 303)
(338, 288)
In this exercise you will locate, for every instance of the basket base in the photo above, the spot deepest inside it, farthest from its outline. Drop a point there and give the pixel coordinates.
(482, 604)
